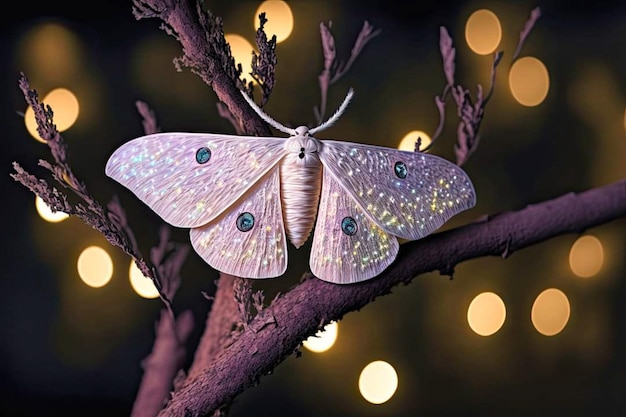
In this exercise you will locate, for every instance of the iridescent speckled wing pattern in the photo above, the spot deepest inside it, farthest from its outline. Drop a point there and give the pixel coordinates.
(165, 172)
(248, 240)
(347, 246)
(407, 194)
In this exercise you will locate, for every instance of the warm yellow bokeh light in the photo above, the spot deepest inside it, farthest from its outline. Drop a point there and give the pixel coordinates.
(241, 50)
(529, 81)
(50, 51)
(407, 143)
(279, 19)
(323, 340)
(378, 382)
(550, 312)
(65, 107)
(624, 119)
(486, 314)
(46, 213)
(483, 32)
(95, 266)
(586, 256)
(142, 285)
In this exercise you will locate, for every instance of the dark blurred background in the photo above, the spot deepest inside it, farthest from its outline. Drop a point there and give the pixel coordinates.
(69, 348)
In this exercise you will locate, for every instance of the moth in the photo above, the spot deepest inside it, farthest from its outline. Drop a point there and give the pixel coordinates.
(242, 197)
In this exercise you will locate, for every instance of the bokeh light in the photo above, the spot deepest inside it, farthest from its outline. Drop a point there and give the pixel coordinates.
(378, 382)
(95, 266)
(407, 143)
(483, 32)
(529, 81)
(279, 19)
(143, 286)
(46, 213)
(624, 119)
(550, 312)
(50, 51)
(486, 313)
(241, 50)
(586, 256)
(323, 339)
(65, 106)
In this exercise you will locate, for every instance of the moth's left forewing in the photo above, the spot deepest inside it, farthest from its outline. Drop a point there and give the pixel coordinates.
(408, 194)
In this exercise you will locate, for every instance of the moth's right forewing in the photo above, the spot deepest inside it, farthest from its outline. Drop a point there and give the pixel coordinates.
(188, 189)
(408, 194)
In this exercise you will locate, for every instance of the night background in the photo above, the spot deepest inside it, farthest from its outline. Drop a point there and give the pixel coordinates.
(69, 348)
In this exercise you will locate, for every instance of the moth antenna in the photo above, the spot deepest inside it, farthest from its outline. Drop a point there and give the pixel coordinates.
(332, 119)
(266, 117)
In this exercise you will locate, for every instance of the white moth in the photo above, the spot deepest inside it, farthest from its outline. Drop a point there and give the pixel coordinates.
(243, 196)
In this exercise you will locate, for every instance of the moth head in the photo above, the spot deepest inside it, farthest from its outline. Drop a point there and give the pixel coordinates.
(303, 149)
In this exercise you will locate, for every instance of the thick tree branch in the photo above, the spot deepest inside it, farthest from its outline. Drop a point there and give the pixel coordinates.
(279, 329)
(219, 325)
(163, 363)
(205, 52)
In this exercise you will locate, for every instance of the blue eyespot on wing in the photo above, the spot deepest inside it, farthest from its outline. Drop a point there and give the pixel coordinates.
(348, 246)
(249, 239)
(408, 194)
(190, 178)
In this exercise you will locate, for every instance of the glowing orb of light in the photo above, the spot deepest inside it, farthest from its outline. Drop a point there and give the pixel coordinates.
(95, 266)
(143, 286)
(407, 143)
(550, 312)
(65, 107)
(483, 32)
(529, 81)
(486, 314)
(241, 51)
(586, 256)
(279, 19)
(378, 382)
(46, 213)
(323, 339)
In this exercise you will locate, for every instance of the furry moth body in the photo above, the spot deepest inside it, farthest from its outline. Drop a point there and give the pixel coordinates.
(243, 196)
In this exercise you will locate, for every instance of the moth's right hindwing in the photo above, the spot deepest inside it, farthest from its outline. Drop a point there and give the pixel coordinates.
(191, 178)
(347, 245)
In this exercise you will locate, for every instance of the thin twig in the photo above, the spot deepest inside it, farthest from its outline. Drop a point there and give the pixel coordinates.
(470, 113)
(534, 15)
(333, 69)
(264, 64)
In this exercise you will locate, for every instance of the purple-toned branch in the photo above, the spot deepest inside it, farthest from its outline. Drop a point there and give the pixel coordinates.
(149, 122)
(333, 69)
(470, 114)
(264, 64)
(534, 15)
(167, 258)
(220, 324)
(278, 330)
(163, 364)
(205, 53)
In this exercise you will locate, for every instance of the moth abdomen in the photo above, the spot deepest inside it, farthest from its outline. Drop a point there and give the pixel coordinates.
(301, 181)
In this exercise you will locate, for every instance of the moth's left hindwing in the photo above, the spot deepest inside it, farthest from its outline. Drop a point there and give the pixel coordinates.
(248, 240)
(189, 179)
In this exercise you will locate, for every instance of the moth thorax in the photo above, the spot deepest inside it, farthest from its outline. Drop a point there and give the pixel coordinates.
(301, 180)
